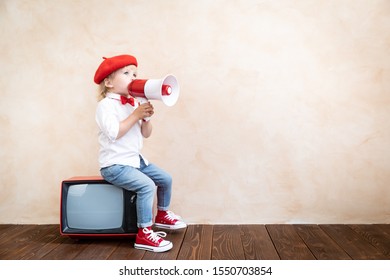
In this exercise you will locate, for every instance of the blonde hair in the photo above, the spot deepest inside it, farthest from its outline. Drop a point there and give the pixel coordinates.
(102, 91)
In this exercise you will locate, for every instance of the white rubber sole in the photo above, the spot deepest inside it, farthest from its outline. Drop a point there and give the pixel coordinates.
(164, 226)
(159, 249)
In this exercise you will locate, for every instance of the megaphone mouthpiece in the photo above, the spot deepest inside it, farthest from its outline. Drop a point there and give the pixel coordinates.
(136, 88)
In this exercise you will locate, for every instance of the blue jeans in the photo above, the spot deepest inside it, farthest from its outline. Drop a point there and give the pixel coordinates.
(144, 181)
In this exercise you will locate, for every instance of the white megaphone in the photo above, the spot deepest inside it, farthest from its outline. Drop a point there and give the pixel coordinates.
(165, 90)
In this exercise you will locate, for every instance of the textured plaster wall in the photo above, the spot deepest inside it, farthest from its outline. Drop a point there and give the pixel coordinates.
(283, 115)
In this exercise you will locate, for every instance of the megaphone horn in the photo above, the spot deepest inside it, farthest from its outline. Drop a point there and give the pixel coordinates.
(166, 89)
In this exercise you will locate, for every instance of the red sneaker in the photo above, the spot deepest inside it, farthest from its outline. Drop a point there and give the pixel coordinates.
(168, 220)
(152, 241)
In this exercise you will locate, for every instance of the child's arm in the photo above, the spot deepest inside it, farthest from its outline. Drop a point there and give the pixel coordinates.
(146, 129)
(143, 111)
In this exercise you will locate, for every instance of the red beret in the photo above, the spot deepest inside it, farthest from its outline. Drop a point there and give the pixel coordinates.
(112, 64)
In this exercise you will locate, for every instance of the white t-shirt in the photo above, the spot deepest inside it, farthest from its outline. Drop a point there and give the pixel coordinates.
(125, 150)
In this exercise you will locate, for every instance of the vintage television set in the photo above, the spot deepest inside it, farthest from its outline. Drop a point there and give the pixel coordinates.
(92, 207)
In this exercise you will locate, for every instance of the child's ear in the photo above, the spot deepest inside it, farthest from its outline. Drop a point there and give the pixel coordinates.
(107, 83)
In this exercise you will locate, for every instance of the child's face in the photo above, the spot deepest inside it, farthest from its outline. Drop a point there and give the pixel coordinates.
(120, 79)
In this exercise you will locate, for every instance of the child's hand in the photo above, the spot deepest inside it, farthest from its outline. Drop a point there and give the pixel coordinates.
(144, 110)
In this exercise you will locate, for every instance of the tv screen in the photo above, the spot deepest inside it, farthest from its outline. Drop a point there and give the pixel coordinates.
(90, 206)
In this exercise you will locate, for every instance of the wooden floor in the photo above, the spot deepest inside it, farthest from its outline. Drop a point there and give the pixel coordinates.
(208, 242)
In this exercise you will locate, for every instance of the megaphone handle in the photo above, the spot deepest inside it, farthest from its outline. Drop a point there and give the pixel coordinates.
(143, 100)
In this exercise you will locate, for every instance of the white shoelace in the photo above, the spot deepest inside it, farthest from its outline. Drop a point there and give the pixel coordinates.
(154, 236)
(171, 216)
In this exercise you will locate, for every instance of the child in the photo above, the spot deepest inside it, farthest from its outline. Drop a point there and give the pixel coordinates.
(122, 128)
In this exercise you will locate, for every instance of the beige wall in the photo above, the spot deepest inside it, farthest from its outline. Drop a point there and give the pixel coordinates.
(283, 115)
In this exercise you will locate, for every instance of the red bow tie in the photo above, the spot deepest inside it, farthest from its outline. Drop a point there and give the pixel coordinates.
(125, 100)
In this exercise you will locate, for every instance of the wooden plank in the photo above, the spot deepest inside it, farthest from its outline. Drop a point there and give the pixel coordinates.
(257, 243)
(384, 227)
(68, 249)
(5, 227)
(352, 243)
(176, 237)
(288, 244)
(15, 243)
(227, 243)
(11, 233)
(375, 235)
(98, 249)
(207, 242)
(45, 245)
(44, 234)
(197, 243)
(125, 251)
(320, 244)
